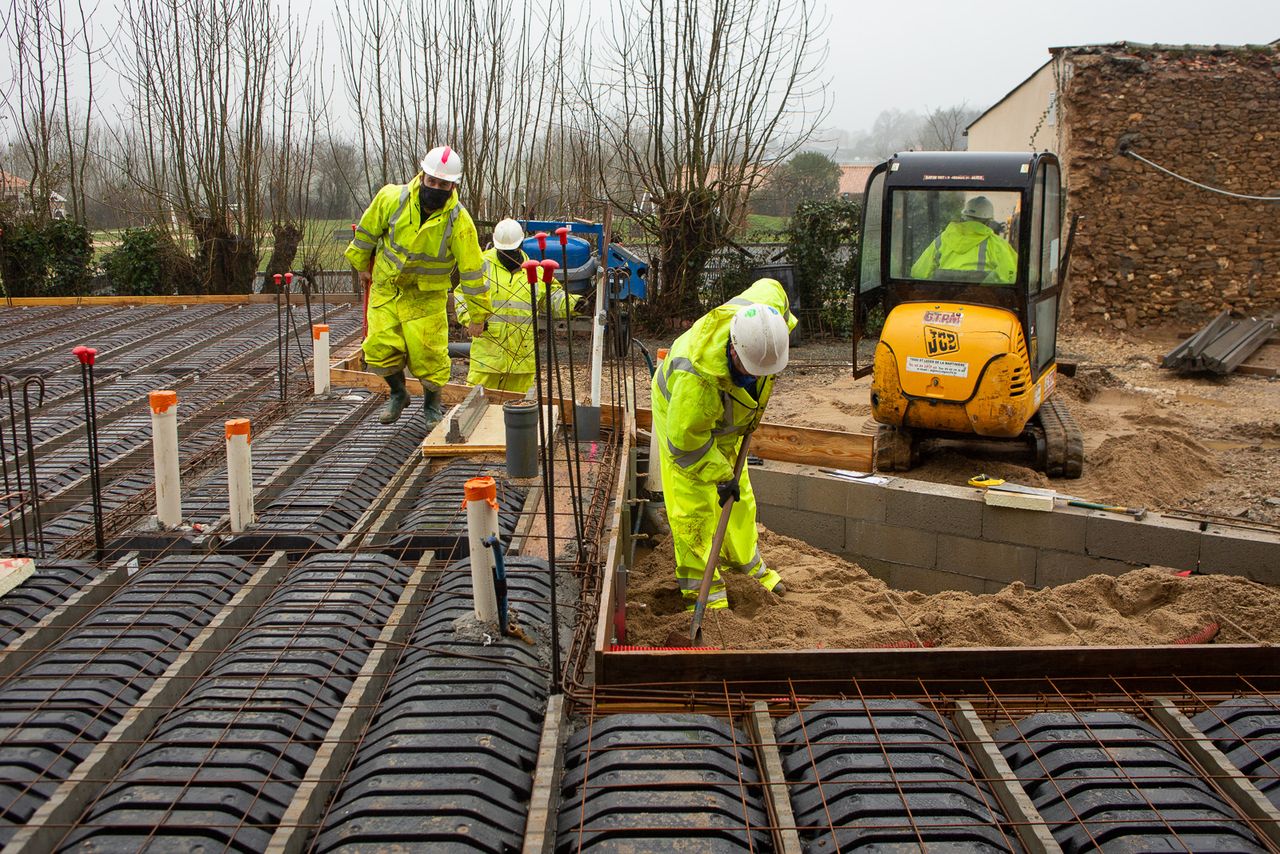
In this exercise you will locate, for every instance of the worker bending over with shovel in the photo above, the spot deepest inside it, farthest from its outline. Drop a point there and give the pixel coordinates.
(502, 356)
(708, 396)
(406, 247)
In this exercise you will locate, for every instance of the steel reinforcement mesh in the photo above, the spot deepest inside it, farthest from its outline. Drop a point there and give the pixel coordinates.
(446, 761)
(65, 700)
(679, 768)
(324, 503)
(437, 520)
(52, 583)
(222, 766)
(51, 350)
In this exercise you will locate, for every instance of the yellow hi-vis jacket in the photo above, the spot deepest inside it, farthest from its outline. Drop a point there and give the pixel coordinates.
(701, 413)
(968, 246)
(506, 347)
(413, 253)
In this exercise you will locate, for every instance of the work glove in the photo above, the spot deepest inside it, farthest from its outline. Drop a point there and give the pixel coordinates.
(728, 489)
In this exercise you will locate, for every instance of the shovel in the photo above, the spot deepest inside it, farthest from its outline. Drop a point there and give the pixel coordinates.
(700, 607)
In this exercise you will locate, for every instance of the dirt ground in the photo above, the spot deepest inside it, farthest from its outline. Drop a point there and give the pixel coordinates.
(834, 604)
(1153, 439)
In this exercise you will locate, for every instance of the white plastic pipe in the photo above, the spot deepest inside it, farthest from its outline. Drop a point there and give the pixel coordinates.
(320, 357)
(239, 474)
(164, 448)
(653, 482)
(597, 340)
(482, 522)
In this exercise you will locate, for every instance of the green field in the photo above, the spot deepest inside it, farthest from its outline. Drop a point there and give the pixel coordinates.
(323, 242)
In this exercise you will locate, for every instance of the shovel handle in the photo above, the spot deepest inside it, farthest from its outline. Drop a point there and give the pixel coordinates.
(700, 607)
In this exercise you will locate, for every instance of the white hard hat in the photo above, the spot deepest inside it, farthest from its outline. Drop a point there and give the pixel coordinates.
(761, 339)
(444, 163)
(508, 235)
(979, 207)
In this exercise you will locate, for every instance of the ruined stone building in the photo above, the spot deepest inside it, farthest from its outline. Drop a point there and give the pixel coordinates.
(1152, 248)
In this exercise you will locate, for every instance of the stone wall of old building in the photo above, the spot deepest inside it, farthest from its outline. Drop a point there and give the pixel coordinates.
(1152, 249)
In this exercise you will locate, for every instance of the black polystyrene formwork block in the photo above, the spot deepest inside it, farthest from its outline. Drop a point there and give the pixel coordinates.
(885, 775)
(229, 758)
(528, 598)
(1108, 781)
(325, 502)
(63, 702)
(446, 763)
(1247, 730)
(438, 520)
(53, 583)
(700, 792)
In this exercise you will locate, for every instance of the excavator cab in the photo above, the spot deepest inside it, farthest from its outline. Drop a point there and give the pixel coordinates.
(956, 310)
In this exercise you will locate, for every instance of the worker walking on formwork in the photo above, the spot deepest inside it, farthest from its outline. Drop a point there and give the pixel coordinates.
(708, 394)
(406, 248)
(502, 356)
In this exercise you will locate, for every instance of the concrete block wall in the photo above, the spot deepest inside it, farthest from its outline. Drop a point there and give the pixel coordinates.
(931, 537)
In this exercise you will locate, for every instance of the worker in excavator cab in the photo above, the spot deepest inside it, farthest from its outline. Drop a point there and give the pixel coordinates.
(710, 392)
(406, 248)
(502, 355)
(970, 246)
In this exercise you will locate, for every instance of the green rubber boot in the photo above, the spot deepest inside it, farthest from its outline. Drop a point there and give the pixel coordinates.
(431, 405)
(399, 399)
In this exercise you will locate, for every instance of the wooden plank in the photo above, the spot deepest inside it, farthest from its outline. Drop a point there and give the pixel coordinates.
(1072, 668)
(786, 839)
(489, 436)
(612, 537)
(544, 802)
(1231, 780)
(313, 794)
(1027, 822)
(48, 826)
(771, 441)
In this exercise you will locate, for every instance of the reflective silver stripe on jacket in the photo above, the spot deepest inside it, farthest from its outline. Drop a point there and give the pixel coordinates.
(443, 254)
(678, 363)
(471, 276)
(685, 459)
(982, 255)
(518, 319)
(363, 244)
(472, 290)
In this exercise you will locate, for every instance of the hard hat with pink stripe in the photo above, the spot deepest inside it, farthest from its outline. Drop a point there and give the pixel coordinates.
(444, 163)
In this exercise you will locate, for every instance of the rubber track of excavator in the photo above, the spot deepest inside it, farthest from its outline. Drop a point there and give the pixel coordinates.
(1064, 443)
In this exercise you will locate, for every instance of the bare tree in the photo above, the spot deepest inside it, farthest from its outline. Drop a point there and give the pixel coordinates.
(943, 128)
(49, 40)
(698, 98)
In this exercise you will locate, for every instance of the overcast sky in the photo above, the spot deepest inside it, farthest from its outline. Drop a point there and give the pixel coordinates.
(929, 53)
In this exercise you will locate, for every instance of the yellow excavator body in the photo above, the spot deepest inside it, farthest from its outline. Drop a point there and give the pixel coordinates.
(956, 367)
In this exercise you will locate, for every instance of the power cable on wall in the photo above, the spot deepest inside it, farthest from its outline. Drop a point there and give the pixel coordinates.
(1128, 150)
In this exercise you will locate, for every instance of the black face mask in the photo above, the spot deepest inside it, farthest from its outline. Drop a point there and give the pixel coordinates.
(511, 259)
(432, 199)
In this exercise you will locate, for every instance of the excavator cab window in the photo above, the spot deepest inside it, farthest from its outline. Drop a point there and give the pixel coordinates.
(959, 236)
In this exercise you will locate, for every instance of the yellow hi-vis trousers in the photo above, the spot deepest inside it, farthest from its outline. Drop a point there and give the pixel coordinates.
(693, 512)
(408, 327)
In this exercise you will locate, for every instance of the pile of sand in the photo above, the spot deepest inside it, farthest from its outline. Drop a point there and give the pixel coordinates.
(834, 604)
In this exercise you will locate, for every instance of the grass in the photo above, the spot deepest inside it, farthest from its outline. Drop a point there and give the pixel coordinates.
(323, 242)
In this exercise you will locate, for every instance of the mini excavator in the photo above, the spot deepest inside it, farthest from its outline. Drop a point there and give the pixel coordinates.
(962, 269)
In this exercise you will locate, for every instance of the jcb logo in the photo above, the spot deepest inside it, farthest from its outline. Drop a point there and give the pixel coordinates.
(940, 341)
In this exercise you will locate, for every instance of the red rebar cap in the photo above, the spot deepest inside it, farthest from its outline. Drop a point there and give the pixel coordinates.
(549, 268)
(530, 268)
(85, 354)
(276, 277)
(288, 278)
(662, 353)
(563, 233)
(542, 240)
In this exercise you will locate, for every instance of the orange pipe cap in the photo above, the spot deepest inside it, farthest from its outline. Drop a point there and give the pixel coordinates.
(161, 400)
(480, 489)
(662, 353)
(238, 427)
(318, 329)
